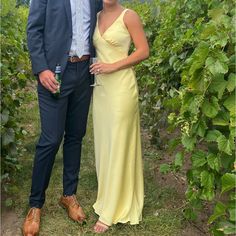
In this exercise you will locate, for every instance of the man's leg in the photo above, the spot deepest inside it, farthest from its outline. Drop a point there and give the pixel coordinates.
(53, 115)
(75, 128)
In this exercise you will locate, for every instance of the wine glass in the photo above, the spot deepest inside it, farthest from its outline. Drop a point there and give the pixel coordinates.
(92, 61)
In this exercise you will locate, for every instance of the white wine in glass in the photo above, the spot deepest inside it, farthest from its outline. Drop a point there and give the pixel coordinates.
(92, 61)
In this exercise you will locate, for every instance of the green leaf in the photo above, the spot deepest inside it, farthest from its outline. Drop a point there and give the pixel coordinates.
(214, 162)
(232, 214)
(216, 67)
(215, 232)
(232, 131)
(188, 142)
(218, 85)
(8, 137)
(190, 214)
(173, 143)
(198, 159)
(222, 119)
(212, 135)
(232, 195)
(197, 81)
(228, 182)
(227, 161)
(172, 60)
(24, 132)
(216, 13)
(165, 168)
(232, 60)
(208, 30)
(21, 76)
(191, 193)
(200, 128)
(5, 116)
(232, 119)
(221, 55)
(190, 103)
(193, 174)
(231, 84)
(12, 150)
(207, 194)
(225, 145)
(207, 179)
(230, 103)
(199, 56)
(219, 210)
(179, 157)
(210, 108)
(227, 227)
(8, 202)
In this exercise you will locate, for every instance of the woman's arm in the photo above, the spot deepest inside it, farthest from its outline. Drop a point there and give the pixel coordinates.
(135, 28)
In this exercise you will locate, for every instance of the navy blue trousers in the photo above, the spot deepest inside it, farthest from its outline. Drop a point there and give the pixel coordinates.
(65, 117)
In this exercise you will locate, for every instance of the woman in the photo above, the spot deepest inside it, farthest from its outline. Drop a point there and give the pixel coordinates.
(116, 116)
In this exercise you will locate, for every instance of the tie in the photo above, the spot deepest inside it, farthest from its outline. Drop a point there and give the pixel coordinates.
(79, 28)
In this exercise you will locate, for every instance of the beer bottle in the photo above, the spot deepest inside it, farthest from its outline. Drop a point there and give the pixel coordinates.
(58, 78)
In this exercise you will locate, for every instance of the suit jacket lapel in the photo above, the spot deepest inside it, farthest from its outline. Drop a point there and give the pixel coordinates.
(92, 7)
(68, 12)
(93, 19)
(93, 15)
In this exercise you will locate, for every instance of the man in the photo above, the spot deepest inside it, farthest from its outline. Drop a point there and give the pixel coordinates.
(60, 32)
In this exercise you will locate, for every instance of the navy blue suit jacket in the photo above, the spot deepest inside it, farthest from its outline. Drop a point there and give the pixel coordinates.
(49, 32)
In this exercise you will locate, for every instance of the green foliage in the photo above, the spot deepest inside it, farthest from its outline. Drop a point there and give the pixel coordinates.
(164, 168)
(191, 78)
(207, 75)
(15, 71)
(23, 2)
(228, 182)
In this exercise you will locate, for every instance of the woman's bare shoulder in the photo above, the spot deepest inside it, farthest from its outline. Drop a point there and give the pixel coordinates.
(131, 17)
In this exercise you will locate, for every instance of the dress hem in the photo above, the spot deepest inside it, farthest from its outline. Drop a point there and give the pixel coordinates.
(115, 222)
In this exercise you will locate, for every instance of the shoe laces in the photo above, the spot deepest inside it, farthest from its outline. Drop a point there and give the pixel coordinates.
(35, 215)
(75, 202)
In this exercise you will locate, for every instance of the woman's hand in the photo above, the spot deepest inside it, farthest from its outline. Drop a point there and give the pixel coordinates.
(102, 68)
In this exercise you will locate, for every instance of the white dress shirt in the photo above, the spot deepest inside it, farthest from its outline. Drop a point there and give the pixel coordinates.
(80, 12)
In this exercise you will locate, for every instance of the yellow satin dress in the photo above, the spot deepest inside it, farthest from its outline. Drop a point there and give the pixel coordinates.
(117, 132)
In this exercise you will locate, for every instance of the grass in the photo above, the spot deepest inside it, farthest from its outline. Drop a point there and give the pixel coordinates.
(159, 215)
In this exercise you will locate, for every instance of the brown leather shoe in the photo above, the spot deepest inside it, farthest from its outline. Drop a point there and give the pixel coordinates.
(75, 211)
(32, 222)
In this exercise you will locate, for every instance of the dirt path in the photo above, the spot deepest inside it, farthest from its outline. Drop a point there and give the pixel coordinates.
(11, 223)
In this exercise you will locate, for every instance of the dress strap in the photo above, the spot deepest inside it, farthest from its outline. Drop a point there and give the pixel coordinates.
(98, 13)
(123, 13)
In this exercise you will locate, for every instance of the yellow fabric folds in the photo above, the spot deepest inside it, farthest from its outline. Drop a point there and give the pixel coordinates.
(117, 132)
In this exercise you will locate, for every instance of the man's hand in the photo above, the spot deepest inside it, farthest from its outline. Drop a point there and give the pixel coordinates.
(47, 79)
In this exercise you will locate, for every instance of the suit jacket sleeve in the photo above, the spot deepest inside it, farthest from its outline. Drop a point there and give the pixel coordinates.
(35, 35)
